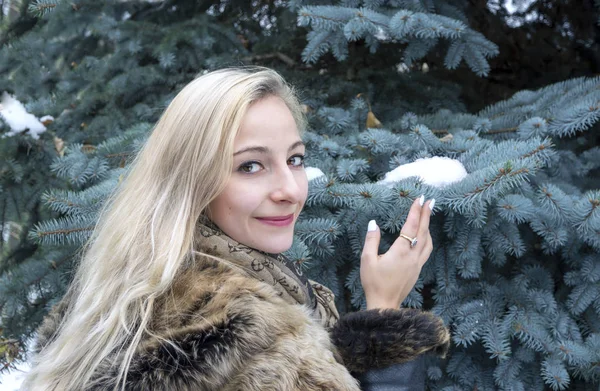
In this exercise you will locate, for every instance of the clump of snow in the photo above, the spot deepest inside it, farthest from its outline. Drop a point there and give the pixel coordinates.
(436, 171)
(402, 68)
(13, 380)
(18, 119)
(46, 118)
(313, 172)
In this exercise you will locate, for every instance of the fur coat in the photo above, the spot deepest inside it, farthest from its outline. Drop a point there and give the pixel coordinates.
(219, 329)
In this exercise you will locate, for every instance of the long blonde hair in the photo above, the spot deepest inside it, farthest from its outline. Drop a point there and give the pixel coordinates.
(146, 230)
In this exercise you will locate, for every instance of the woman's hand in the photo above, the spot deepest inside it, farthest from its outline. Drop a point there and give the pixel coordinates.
(388, 278)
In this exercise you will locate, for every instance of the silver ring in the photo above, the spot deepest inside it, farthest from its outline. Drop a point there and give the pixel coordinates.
(413, 241)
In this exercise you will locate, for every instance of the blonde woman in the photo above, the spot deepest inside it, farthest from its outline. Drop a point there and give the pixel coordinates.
(182, 285)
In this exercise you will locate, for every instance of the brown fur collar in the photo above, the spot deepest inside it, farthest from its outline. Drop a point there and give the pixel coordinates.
(220, 330)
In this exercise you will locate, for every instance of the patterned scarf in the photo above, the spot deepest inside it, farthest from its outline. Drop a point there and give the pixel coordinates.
(277, 270)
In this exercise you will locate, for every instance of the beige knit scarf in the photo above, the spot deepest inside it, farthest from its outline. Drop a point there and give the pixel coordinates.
(277, 270)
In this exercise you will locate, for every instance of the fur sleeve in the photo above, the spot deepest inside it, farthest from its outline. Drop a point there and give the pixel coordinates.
(379, 338)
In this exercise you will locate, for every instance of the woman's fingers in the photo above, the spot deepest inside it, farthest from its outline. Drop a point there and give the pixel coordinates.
(424, 221)
(371, 247)
(388, 278)
(410, 227)
(427, 248)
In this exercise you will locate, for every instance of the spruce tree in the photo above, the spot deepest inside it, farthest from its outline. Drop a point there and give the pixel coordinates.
(515, 271)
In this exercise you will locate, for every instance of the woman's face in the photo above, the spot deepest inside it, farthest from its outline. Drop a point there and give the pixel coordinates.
(268, 182)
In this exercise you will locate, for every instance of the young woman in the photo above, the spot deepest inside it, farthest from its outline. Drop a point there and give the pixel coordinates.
(182, 285)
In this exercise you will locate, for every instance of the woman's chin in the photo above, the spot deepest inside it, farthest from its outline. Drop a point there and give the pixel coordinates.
(274, 248)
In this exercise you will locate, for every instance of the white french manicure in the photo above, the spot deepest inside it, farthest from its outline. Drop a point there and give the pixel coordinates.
(432, 204)
(422, 200)
(372, 226)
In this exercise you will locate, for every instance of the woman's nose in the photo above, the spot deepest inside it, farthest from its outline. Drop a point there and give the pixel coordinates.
(286, 186)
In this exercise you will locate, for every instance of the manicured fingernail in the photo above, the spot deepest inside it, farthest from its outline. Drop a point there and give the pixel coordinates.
(422, 200)
(372, 226)
(432, 203)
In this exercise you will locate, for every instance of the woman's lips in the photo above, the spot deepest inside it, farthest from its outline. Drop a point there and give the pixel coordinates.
(278, 221)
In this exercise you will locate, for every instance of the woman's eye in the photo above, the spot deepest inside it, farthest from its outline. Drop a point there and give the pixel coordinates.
(250, 167)
(253, 167)
(297, 160)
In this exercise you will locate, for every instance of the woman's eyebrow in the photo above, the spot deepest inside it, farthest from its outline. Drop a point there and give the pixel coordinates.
(266, 150)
